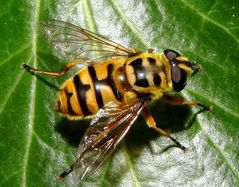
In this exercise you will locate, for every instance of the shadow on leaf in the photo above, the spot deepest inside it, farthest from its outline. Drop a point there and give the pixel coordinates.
(72, 131)
(169, 117)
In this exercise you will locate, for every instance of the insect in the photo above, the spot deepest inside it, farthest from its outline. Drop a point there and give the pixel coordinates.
(113, 88)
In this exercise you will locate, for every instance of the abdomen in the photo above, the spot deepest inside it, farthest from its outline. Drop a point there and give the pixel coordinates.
(88, 91)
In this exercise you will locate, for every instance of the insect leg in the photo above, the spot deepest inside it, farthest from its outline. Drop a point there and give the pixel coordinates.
(65, 173)
(152, 124)
(66, 68)
(181, 101)
(150, 50)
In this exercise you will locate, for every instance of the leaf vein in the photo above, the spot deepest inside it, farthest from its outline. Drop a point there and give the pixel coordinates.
(88, 16)
(6, 179)
(133, 30)
(205, 17)
(18, 79)
(130, 164)
(221, 155)
(15, 54)
(215, 103)
(105, 175)
(44, 144)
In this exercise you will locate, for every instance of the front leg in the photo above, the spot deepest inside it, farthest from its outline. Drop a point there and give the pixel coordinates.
(181, 101)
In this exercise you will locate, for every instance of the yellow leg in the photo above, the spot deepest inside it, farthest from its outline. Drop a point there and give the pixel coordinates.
(152, 124)
(181, 101)
(66, 68)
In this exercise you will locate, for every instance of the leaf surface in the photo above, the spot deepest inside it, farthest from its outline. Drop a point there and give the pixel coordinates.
(36, 144)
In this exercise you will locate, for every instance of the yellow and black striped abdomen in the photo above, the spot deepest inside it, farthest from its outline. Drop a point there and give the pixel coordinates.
(88, 91)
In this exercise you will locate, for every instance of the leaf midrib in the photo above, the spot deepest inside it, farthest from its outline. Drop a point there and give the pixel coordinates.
(32, 104)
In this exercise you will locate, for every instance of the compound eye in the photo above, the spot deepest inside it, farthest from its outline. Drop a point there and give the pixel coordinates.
(179, 77)
(171, 54)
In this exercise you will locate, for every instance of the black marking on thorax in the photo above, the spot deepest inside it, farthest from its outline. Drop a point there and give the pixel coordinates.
(156, 77)
(140, 73)
(81, 90)
(108, 81)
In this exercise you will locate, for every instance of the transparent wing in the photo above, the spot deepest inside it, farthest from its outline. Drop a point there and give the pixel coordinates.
(75, 42)
(106, 131)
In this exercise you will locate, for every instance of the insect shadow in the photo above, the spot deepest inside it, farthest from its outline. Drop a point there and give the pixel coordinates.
(72, 131)
(169, 117)
(47, 80)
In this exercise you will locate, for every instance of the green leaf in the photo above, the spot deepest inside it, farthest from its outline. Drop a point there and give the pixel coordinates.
(36, 144)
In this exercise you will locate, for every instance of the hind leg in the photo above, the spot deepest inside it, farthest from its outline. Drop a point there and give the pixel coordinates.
(66, 68)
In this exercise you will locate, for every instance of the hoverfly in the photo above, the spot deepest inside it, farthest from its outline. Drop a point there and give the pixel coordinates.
(113, 87)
